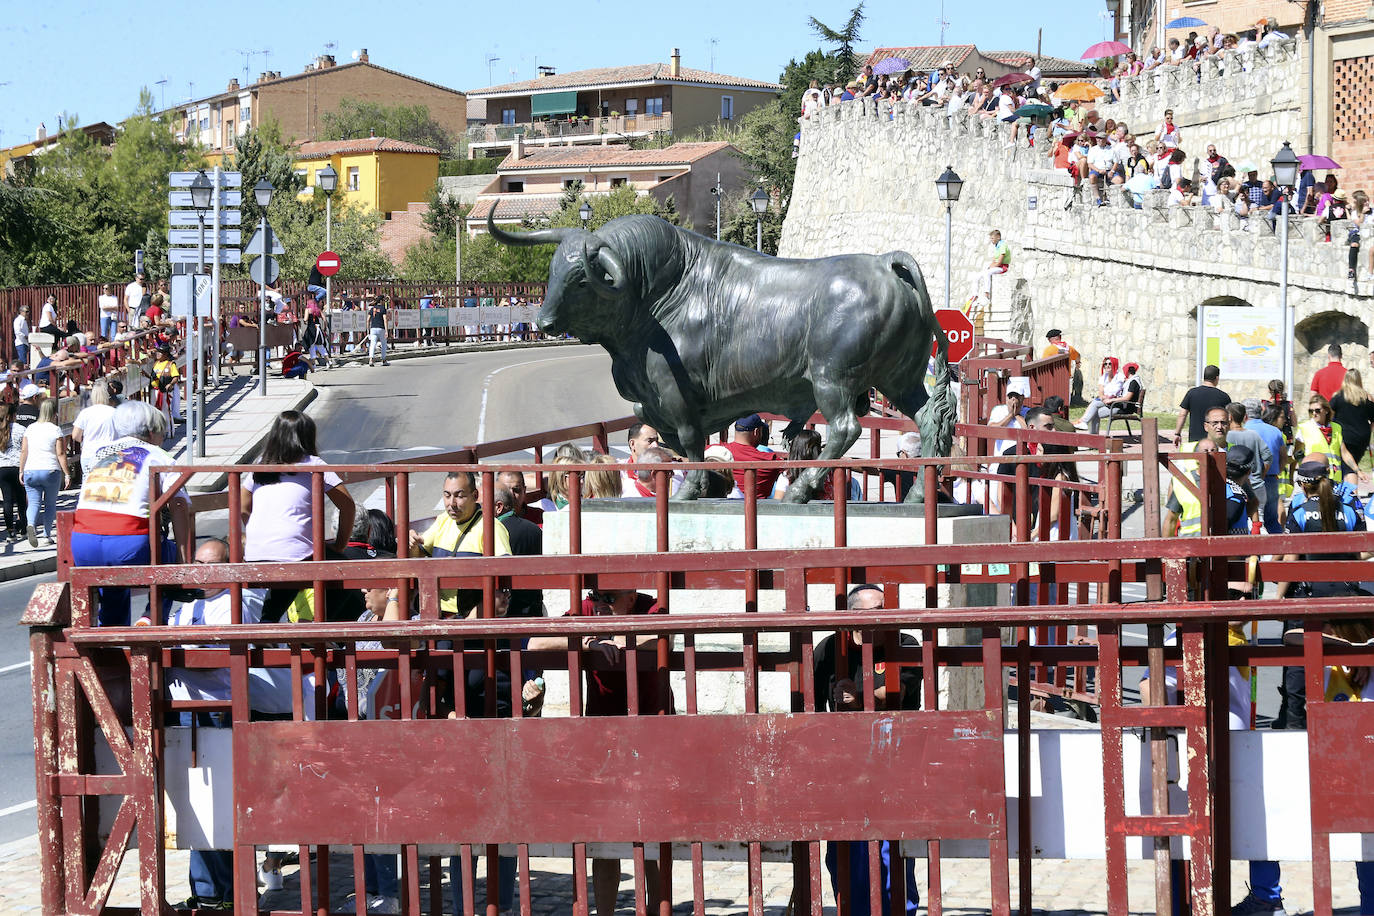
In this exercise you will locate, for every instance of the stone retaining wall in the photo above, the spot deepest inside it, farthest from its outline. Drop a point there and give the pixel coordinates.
(1118, 280)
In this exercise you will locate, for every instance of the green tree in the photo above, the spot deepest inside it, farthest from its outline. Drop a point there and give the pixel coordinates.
(444, 212)
(621, 201)
(740, 225)
(132, 186)
(261, 153)
(844, 40)
(412, 123)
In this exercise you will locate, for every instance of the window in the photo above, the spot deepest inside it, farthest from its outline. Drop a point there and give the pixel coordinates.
(205, 123)
(303, 174)
(570, 183)
(653, 106)
(727, 108)
(352, 178)
(515, 187)
(605, 109)
(618, 182)
(229, 127)
(631, 107)
(507, 115)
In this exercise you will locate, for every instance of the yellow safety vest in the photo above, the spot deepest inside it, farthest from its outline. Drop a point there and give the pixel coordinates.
(1189, 506)
(1314, 443)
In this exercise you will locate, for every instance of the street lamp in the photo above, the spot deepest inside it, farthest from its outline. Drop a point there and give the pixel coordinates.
(759, 201)
(948, 186)
(327, 180)
(262, 193)
(585, 211)
(1285, 178)
(202, 195)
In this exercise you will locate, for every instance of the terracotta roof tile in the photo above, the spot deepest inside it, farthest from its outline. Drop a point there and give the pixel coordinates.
(1048, 62)
(515, 206)
(319, 149)
(635, 73)
(592, 156)
(924, 57)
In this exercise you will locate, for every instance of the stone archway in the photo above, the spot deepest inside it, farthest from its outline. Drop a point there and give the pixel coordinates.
(1314, 333)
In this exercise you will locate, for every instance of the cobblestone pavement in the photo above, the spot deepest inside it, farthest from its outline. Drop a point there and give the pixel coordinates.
(1061, 886)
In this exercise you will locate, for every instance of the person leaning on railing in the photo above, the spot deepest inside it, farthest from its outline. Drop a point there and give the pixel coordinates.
(111, 526)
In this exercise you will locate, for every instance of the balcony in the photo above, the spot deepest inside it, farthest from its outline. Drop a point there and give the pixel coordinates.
(572, 128)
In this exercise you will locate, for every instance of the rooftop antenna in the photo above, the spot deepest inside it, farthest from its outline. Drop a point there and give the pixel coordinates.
(162, 92)
(714, 42)
(942, 22)
(247, 63)
(190, 91)
(1104, 15)
(491, 59)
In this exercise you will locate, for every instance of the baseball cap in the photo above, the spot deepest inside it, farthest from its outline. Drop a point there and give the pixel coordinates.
(29, 391)
(1252, 408)
(1239, 458)
(719, 453)
(750, 423)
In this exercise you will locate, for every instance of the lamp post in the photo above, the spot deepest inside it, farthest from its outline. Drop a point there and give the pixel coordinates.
(262, 193)
(327, 180)
(585, 211)
(948, 186)
(1285, 178)
(202, 193)
(759, 201)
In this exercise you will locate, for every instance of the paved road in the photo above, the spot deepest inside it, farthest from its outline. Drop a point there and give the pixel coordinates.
(16, 716)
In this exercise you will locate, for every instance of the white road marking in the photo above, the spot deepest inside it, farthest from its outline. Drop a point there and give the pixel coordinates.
(15, 809)
(486, 386)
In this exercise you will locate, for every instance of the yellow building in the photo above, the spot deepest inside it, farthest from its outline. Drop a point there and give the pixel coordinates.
(374, 172)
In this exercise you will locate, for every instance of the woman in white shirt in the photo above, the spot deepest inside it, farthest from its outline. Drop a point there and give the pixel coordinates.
(94, 426)
(43, 468)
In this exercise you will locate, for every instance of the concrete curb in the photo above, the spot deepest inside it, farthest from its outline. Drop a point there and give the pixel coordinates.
(35, 567)
(220, 481)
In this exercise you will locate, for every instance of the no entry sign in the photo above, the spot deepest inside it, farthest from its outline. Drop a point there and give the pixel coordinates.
(328, 262)
(958, 330)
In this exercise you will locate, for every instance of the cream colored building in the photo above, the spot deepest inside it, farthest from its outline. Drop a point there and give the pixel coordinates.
(611, 105)
(530, 182)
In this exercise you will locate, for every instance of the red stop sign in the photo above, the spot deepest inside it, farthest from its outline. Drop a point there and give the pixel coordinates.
(958, 330)
(328, 263)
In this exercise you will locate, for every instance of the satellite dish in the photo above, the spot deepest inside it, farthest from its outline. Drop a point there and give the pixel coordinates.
(357, 54)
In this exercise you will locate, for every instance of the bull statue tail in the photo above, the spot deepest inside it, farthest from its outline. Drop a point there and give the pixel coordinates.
(937, 417)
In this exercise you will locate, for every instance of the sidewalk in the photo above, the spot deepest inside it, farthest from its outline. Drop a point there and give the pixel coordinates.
(1061, 886)
(237, 420)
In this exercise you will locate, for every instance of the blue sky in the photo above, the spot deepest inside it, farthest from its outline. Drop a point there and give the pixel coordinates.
(92, 58)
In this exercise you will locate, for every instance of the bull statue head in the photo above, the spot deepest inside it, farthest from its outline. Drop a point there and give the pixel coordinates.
(584, 274)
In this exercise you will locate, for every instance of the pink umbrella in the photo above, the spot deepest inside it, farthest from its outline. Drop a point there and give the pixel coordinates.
(1106, 49)
(1309, 162)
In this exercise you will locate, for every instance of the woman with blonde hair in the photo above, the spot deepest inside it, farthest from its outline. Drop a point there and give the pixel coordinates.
(556, 482)
(603, 484)
(1353, 409)
(1321, 435)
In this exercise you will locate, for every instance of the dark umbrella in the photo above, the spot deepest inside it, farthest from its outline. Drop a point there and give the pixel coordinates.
(891, 65)
(1011, 79)
(1032, 111)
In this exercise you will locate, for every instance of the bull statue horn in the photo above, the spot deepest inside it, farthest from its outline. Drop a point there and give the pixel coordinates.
(602, 257)
(536, 237)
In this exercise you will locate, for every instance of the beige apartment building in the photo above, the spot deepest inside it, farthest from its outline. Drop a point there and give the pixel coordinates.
(299, 102)
(610, 105)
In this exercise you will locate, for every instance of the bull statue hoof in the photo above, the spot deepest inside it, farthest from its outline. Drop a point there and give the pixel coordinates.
(701, 332)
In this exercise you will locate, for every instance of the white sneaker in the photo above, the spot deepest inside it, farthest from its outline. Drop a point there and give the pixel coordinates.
(388, 905)
(270, 879)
